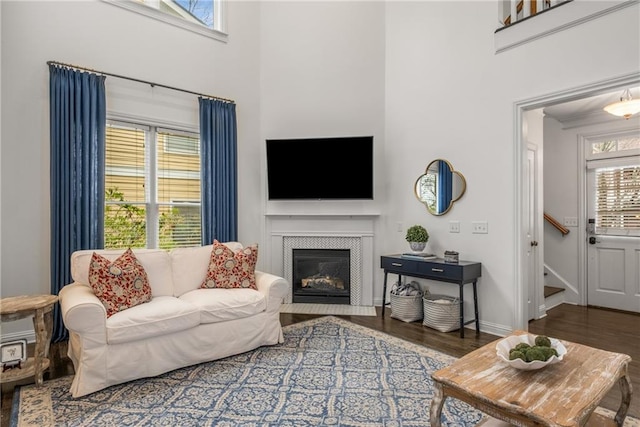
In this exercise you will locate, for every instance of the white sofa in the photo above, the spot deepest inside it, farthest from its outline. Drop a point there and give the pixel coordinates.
(182, 324)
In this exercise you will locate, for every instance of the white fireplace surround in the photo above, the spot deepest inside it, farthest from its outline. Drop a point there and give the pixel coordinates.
(353, 232)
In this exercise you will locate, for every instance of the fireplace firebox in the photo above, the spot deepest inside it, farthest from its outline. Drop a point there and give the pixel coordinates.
(321, 276)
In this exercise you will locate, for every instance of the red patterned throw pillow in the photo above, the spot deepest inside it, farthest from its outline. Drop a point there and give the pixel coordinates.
(228, 269)
(120, 284)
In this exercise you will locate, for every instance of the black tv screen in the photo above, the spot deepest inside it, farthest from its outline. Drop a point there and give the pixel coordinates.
(320, 168)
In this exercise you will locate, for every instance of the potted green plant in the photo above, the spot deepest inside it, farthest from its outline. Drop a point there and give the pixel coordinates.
(417, 236)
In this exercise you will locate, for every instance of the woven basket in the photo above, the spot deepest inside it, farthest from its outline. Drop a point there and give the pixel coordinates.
(406, 308)
(441, 312)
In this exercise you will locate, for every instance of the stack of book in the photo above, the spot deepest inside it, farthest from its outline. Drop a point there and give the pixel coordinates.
(418, 255)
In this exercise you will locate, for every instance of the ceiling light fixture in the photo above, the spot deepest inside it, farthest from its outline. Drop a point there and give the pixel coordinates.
(626, 107)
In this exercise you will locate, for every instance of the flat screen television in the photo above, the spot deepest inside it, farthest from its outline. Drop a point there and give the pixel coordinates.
(338, 168)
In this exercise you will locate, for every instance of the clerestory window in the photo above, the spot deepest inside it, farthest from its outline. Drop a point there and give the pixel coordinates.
(200, 16)
(152, 183)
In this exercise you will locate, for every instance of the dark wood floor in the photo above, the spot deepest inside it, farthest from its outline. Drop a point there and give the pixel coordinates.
(605, 329)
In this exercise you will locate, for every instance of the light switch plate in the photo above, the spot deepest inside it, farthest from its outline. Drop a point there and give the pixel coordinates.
(479, 227)
(454, 226)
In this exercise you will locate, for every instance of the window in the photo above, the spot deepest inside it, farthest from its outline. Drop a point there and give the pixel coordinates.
(614, 163)
(618, 200)
(613, 145)
(200, 16)
(152, 182)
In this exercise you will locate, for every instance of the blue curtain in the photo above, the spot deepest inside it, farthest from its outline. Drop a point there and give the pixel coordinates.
(219, 182)
(77, 133)
(445, 186)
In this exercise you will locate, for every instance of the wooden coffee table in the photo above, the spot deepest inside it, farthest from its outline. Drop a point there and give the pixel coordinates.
(559, 395)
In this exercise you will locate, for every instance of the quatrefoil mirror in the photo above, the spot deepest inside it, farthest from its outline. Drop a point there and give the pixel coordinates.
(440, 187)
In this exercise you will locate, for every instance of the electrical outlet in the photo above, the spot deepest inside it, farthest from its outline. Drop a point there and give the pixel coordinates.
(479, 227)
(399, 227)
(454, 226)
(570, 221)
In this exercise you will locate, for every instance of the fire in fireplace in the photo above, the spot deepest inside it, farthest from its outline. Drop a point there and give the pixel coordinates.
(321, 276)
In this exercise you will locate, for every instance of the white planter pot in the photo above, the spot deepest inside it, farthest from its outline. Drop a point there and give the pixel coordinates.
(417, 246)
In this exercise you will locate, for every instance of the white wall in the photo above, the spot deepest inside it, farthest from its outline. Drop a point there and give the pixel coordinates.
(0, 152)
(562, 194)
(104, 37)
(322, 74)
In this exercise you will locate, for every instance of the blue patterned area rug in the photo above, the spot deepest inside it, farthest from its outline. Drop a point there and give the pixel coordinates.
(328, 372)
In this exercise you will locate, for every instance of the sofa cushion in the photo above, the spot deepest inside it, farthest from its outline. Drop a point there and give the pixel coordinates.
(218, 305)
(120, 284)
(160, 316)
(156, 263)
(229, 269)
(189, 266)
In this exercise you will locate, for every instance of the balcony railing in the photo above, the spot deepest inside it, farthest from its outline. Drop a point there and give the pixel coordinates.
(513, 11)
(517, 25)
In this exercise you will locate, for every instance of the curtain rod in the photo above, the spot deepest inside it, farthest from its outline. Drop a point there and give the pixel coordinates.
(152, 84)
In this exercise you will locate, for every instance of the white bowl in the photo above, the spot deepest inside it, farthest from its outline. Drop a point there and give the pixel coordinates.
(504, 345)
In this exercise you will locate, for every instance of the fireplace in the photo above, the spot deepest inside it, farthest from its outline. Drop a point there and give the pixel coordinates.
(321, 276)
(325, 231)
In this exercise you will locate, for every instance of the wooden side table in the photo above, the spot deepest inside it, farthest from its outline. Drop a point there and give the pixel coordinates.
(564, 394)
(40, 307)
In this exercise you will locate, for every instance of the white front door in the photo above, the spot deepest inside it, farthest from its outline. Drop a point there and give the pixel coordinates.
(613, 272)
(613, 237)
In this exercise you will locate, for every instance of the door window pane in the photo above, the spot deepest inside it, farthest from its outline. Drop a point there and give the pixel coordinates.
(618, 200)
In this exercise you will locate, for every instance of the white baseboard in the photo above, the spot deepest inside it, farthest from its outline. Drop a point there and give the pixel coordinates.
(329, 309)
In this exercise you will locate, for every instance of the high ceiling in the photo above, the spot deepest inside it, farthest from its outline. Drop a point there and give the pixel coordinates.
(590, 107)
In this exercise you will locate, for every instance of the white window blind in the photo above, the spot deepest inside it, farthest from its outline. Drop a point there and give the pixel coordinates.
(125, 223)
(152, 182)
(618, 200)
(178, 184)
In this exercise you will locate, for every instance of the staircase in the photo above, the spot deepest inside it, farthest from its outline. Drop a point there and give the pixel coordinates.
(553, 296)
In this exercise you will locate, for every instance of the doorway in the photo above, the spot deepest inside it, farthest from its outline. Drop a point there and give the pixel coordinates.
(523, 278)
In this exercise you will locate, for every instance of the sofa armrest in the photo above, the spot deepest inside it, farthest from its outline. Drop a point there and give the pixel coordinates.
(83, 313)
(274, 287)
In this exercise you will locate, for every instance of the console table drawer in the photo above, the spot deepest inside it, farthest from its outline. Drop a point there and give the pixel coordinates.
(440, 270)
(401, 266)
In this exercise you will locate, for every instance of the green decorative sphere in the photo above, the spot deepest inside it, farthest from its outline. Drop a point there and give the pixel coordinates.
(417, 233)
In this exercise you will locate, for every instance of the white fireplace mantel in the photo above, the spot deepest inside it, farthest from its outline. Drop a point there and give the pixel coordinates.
(323, 226)
(321, 215)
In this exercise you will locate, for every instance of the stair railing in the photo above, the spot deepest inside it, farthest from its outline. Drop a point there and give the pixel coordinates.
(561, 228)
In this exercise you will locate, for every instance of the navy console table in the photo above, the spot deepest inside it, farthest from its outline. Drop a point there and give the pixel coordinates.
(459, 273)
